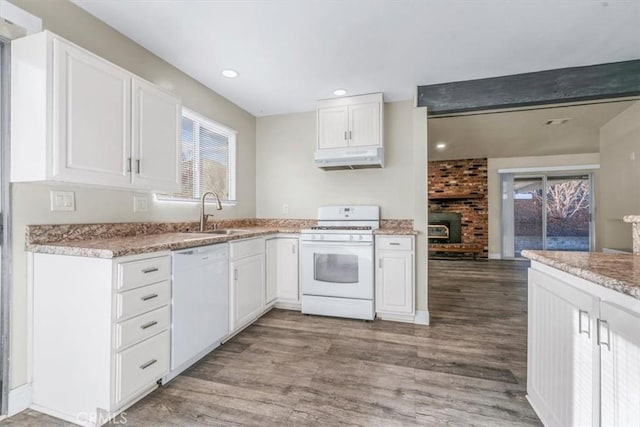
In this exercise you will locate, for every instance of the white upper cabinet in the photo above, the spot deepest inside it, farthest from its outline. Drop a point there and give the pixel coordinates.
(333, 125)
(91, 118)
(364, 124)
(156, 128)
(354, 121)
(78, 118)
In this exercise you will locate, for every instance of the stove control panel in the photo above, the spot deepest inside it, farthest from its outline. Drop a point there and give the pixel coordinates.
(356, 238)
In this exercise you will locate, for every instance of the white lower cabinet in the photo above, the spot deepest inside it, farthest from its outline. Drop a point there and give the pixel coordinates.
(395, 283)
(247, 272)
(271, 276)
(282, 272)
(583, 352)
(619, 366)
(101, 333)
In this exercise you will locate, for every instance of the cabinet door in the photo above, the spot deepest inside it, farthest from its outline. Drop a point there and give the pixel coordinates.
(619, 366)
(288, 281)
(91, 118)
(156, 138)
(271, 279)
(333, 127)
(562, 354)
(248, 288)
(364, 125)
(394, 282)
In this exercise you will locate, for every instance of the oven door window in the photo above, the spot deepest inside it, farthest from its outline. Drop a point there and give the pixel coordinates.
(335, 268)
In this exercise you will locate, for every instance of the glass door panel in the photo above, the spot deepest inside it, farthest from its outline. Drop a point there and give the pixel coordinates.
(568, 225)
(528, 214)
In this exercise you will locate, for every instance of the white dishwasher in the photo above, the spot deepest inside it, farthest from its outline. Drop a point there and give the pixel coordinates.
(200, 304)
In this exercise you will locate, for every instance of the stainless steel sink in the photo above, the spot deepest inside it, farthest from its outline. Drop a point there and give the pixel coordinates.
(224, 232)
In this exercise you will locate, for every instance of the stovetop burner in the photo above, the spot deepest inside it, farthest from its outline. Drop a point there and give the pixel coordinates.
(340, 227)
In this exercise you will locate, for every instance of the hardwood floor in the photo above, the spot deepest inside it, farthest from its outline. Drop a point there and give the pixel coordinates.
(467, 369)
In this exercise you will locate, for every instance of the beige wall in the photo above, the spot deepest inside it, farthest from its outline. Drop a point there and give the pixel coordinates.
(495, 205)
(286, 174)
(619, 193)
(31, 201)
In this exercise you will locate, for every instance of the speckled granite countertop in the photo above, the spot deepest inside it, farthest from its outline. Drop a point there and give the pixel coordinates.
(619, 272)
(113, 246)
(130, 245)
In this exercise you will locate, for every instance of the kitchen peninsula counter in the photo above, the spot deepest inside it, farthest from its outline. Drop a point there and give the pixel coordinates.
(618, 272)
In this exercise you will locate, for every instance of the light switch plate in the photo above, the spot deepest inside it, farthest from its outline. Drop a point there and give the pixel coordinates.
(285, 208)
(140, 204)
(63, 201)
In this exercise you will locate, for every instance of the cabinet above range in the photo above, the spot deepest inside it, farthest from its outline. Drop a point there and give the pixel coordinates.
(350, 132)
(78, 118)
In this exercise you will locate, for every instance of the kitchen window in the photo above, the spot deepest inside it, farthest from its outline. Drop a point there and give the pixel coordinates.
(208, 159)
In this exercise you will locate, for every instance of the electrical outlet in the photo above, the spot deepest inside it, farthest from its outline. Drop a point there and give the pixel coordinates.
(632, 156)
(140, 204)
(285, 208)
(62, 201)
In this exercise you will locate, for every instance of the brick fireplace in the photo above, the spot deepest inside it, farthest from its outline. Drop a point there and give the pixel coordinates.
(460, 187)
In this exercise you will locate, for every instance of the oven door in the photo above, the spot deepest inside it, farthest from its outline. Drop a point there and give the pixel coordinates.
(339, 269)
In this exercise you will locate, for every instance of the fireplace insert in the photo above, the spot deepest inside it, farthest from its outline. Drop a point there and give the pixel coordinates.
(445, 227)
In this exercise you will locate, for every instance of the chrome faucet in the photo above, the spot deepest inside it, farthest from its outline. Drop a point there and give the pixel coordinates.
(203, 216)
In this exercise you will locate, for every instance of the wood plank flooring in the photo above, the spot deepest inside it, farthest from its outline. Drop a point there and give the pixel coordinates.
(467, 369)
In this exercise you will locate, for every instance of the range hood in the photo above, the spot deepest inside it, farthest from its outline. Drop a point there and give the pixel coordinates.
(349, 158)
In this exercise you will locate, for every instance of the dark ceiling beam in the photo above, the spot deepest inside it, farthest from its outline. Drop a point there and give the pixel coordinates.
(565, 85)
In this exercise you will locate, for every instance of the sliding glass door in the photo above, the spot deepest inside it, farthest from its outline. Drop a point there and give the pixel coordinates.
(568, 213)
(528, 214)
(546, 212)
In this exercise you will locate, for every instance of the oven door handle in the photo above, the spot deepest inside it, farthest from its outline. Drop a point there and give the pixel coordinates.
(334, 244)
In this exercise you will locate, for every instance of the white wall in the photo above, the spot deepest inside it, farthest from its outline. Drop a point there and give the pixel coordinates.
(495, 204)
(286, 174)
(619, 177)
(31, 201)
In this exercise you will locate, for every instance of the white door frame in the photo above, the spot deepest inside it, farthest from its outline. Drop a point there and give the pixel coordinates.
(507, 177)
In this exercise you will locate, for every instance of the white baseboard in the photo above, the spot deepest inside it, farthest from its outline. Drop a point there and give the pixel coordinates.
(495, 255)
(20, 398)
(287, 305)
(421, 317)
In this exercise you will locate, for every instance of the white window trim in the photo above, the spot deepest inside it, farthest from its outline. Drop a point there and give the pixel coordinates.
(231, 134)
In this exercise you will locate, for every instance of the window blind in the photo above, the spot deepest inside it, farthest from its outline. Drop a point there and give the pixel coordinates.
(207, 159)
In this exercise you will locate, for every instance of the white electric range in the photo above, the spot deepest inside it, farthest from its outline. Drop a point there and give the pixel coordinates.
(337, 262)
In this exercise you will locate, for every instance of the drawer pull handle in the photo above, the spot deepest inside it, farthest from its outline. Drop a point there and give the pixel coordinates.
(149, 363)
(148, 297)
(394, 244)
(604, 324)
(581, 329)
(150, 270)
(148, 325)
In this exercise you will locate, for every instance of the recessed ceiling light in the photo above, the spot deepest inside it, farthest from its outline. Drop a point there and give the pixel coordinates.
(560, 121)
(441, 145)
(340, 92)
(229, 73)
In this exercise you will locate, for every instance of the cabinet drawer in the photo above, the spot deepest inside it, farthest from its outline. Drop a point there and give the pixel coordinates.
(246, 248)
(398, 243)
(142, 327)
(141, 300)
(140, 366)
(139, 273)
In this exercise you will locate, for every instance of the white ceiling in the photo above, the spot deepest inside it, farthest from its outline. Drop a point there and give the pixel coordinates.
(522, 133)
(291, 52)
